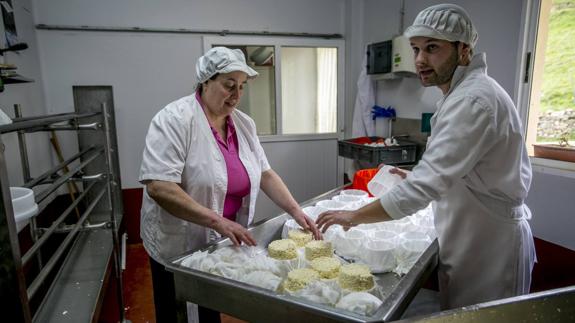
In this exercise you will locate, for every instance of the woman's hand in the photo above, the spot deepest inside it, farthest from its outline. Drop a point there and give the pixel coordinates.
(307, 224)
(329, 218)
(234, 231)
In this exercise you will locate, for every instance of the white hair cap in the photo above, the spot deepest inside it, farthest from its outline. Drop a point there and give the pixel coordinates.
(221, 60)
(444, 21)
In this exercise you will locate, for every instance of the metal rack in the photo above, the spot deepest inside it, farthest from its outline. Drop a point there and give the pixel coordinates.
(68, 283)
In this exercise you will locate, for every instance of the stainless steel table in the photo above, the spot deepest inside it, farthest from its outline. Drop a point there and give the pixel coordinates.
(254, 304)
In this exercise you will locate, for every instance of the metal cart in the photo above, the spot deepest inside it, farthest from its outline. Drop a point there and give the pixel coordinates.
(256, 304)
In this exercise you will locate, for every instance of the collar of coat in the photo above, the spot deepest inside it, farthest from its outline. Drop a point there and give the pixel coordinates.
(478, 64)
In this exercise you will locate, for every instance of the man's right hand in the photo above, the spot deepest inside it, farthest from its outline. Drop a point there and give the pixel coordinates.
(234, 231)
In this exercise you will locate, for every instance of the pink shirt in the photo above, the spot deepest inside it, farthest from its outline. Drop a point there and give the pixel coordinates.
(238, 180)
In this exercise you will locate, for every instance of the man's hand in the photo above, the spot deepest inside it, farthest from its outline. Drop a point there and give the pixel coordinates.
(399, 172)
(234, 231)
(307, 224)
(395, 171)
(329, 218)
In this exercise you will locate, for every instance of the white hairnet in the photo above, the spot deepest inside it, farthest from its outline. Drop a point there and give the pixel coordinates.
(444, 21)
(221, 60)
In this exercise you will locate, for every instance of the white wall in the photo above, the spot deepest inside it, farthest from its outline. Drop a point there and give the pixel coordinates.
(551, 202)
(147, 71)
(309, 158)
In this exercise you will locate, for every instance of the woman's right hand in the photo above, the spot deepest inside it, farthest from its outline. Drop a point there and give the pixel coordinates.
(234, 231)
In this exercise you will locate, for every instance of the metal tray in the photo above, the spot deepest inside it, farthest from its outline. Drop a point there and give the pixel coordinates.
(255, 304)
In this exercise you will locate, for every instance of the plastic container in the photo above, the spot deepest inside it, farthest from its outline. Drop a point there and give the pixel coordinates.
(331, 205)
(395, 226)
(289, 225)
(407, 254)
(347, 199)
(385, 235)
(404, 153)
(313, 211)
(354, 192)
(414, 236)
(351, 202)
(24, 205)
(362, 177)
(347, 243)
(383, 181)
(379, 255)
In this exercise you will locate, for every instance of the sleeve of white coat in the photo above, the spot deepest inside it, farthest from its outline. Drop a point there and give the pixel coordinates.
(165, 150)
(465, 130)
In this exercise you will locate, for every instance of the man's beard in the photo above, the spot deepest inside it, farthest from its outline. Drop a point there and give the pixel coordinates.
(443, 73)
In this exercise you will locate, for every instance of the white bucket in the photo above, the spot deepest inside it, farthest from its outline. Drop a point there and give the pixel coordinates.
(383, 181)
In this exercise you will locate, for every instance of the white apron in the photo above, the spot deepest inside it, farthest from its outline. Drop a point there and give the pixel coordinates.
(476, 249)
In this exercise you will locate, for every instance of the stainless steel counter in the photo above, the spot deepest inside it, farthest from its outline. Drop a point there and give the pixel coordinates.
(256, 304)
(556, 305)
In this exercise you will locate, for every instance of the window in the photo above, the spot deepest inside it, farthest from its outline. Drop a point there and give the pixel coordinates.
(551, 90)
(309, 90)
(298, 90)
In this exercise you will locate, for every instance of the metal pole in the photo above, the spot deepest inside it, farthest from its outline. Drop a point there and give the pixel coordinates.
(13, 295)
(224, 32)
(26, 174)
(23, 147)
(43, 274)
(32, 124)
(37, 245)
(112, 191)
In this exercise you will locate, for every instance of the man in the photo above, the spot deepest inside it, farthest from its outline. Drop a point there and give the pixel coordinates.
(475, 169)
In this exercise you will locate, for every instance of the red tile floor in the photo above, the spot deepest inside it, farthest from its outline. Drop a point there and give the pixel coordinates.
(139, 300)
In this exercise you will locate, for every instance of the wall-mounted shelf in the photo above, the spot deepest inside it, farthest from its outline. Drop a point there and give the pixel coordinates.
(9, 75)
(16, 79)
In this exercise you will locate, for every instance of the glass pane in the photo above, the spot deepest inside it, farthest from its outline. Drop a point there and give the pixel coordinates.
(258, 99)
(553, 91)
(309, 90)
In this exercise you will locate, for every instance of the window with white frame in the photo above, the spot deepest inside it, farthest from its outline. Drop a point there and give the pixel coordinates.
(550, 87)
(298, 88)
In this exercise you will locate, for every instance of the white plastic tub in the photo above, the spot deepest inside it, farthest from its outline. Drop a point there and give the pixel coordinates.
(23, 204)
(353, 192)
(331, 205)
(383, 181)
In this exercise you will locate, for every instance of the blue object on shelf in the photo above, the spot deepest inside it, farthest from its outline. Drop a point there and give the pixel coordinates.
(380, 112)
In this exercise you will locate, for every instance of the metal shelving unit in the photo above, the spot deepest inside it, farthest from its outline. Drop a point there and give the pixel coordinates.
(68, 283)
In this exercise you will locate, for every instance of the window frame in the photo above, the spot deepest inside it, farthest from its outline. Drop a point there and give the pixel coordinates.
(277, 43)
(524, 82)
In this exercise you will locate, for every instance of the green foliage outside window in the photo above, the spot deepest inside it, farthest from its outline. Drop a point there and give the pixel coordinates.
(558, 88)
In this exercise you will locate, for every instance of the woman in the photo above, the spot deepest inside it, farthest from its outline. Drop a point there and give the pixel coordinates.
(203, 166)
